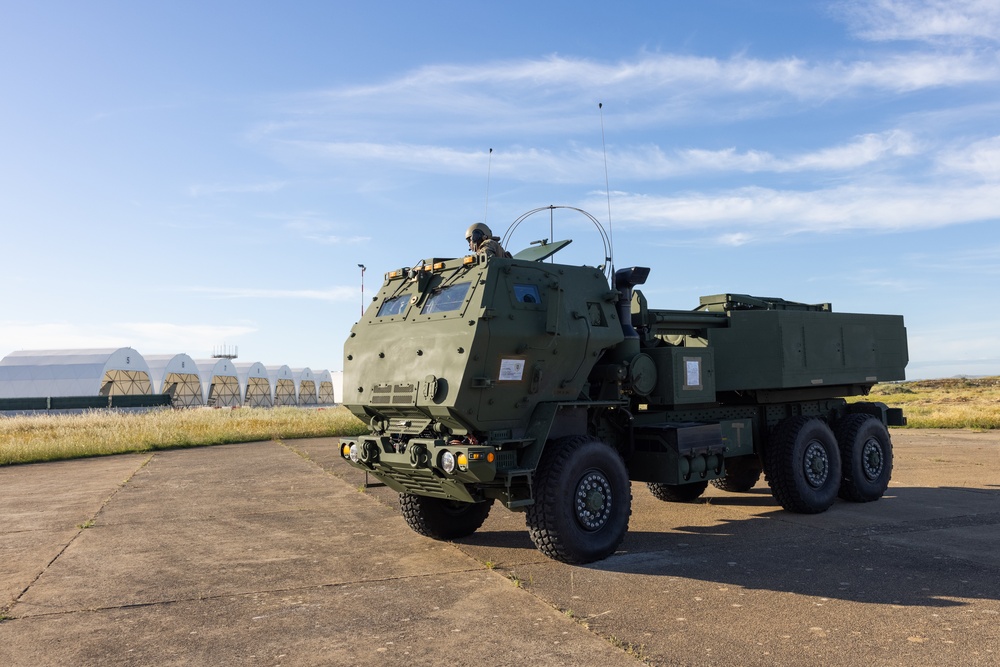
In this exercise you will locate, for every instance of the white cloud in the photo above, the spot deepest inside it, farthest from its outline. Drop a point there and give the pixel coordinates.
(146, 337)
(782, 212)
(313, 228)
(217, 189)
(558, 95)
(981, 158)
(330, 294)
(643, 163)
(926, 20)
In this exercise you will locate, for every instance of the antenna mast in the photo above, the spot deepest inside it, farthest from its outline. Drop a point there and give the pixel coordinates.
(489, 165)
(607, 187)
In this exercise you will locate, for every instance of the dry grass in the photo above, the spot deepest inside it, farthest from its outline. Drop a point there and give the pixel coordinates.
(27, 439)
(953, 403)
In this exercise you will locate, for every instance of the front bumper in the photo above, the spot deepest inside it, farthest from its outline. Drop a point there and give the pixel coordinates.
(418, 468)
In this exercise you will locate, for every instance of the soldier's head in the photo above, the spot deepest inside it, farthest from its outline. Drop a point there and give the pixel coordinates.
(476, 234)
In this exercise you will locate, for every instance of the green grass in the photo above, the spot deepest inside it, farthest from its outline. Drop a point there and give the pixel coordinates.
(31, 439)
(953, 403)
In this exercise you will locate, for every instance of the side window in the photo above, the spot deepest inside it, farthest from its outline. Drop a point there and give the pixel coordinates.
(526, 293)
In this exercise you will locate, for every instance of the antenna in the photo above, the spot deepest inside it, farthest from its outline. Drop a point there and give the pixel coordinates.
(607, 188)
(489, 165)
(225, 352)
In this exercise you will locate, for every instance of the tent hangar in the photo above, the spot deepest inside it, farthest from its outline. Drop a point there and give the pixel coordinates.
(97, 372)
(282, 385)
(220, 384)
(177, 376)
(324, 387)
(305, 385)
(255, 386)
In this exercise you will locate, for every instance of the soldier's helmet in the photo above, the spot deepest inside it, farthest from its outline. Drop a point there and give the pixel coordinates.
(476, 234)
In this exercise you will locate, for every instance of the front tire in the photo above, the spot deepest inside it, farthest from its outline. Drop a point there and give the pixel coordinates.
(803, 465)
(866, 453)
(442, 519)
(583, 500)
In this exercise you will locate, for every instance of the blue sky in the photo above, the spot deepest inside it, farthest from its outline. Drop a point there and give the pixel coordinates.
(182, 175)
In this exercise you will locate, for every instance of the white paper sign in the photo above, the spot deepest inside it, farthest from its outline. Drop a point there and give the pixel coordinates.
(511, 370)
(693, 372)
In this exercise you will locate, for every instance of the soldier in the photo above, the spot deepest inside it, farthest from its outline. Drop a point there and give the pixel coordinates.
(481, 240)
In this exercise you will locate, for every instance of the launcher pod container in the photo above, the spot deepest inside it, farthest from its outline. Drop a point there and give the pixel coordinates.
(542, 386)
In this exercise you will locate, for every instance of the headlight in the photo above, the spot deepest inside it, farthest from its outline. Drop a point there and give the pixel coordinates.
(354, 452)
(463, 462)
(447, 462)
(345, 451)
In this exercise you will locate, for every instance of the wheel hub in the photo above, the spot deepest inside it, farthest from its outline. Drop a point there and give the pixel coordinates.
(872, 459)
(593, 500)
(816, 464)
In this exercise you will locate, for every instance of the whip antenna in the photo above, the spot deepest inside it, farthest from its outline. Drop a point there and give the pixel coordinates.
(489, 164)
(607, 188)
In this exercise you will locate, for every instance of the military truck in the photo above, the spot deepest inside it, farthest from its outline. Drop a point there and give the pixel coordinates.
(549, 389)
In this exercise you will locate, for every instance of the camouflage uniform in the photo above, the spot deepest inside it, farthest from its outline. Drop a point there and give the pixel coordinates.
(481, 240)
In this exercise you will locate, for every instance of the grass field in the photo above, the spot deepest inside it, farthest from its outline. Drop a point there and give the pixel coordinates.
(27, 439)
(952, 403)
(955, 403)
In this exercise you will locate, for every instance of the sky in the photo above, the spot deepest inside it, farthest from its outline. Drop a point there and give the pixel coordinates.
(179, 176)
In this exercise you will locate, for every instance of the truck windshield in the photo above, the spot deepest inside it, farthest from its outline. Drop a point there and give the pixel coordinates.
(445, 299)
(394, 306)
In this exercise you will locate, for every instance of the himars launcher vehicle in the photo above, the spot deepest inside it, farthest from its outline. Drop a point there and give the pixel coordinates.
(542, 386)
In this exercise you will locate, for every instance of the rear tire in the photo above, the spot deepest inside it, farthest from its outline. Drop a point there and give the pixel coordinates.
(583, 500)
(803, 465)
(866, 454)
(443, 519)
(677, 493)
(742, 474)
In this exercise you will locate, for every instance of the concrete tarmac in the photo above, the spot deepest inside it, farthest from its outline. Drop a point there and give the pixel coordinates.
(274, 553)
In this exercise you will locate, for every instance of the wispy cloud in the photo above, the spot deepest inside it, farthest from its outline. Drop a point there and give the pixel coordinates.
(147, 337)
(981, 158)
(546, 95)
(838, 209)
(330, 294)
(642, 163)
(313, 227)
(203, 190)
(925, 20)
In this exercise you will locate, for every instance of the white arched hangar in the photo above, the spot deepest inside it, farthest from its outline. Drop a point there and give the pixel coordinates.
(305, 386)
(282, 385)
(255, 385)
(219, 382)
(177, 376)
(52, 373)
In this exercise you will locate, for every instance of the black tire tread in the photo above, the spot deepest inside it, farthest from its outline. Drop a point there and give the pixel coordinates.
(742, 474)
(781, 472)
(541, 516)
(431, 517)
(677, 493)
(847, 434)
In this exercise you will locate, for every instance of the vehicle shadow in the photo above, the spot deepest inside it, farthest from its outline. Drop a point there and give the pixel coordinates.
(915, 547)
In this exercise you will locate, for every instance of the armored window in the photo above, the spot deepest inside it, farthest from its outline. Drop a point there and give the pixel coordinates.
(527, 294)
(394, 306)
(446, 299)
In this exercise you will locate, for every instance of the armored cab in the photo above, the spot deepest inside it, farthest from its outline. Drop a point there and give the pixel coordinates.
(548, 387)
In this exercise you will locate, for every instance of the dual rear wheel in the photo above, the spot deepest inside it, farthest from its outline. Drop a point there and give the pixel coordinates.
(808, 465)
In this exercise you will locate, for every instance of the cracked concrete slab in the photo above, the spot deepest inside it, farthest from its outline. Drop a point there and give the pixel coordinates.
(273, 553)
